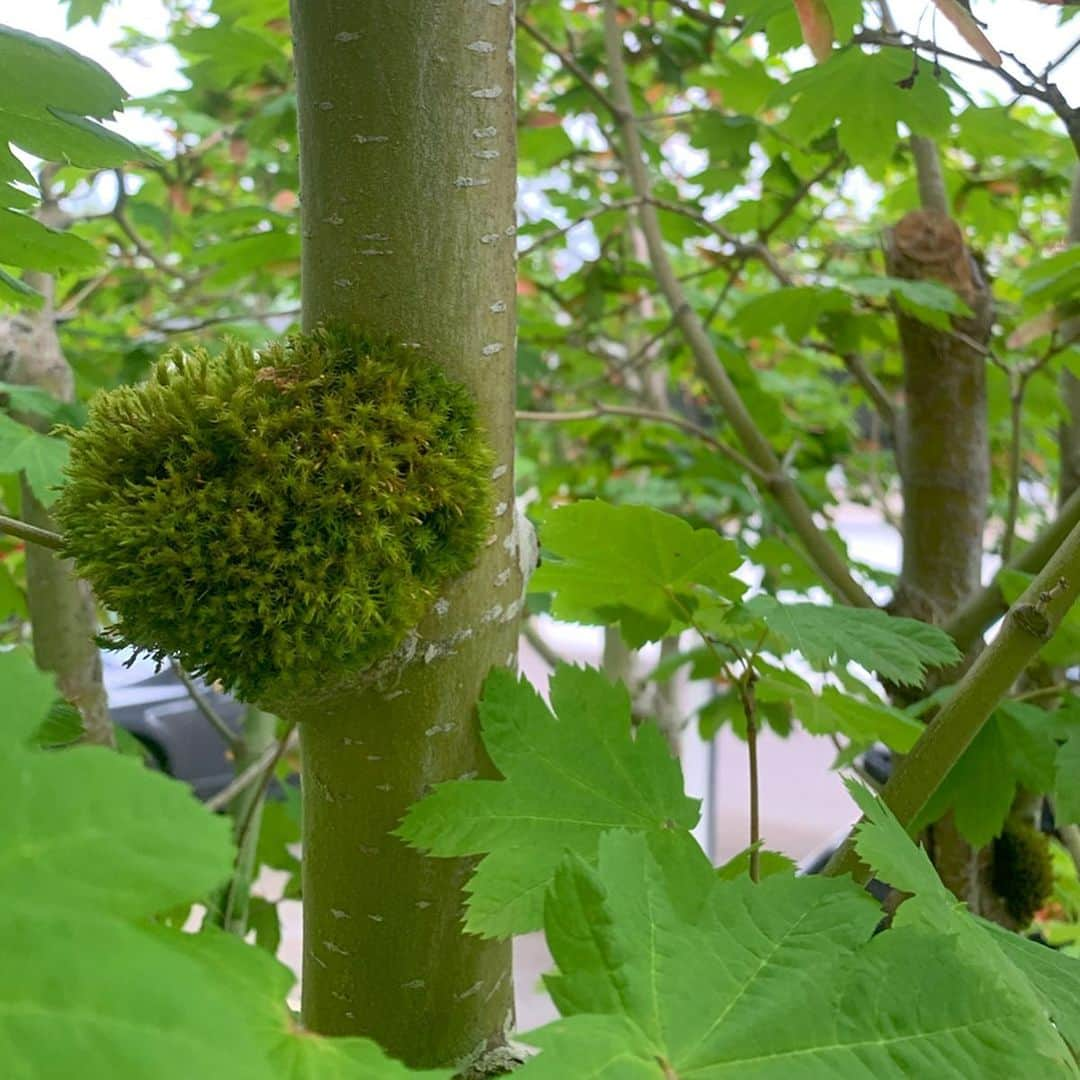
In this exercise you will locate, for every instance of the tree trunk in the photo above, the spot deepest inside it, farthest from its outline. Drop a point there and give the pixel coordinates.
(407, 155)
(945, 457)
(63, 614)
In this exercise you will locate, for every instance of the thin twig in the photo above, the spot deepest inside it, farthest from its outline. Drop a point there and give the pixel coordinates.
(878, 395)
(600, 410)
(31, 533)
(595, 212)
(755, 807)
(243, 780)
(539, 645)
(217, 320)
(210, 714)
(567, 62)
(264, 782)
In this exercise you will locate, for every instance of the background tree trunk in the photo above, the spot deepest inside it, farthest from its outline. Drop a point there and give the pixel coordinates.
(63, 614)
(407, 153)
(944, 455)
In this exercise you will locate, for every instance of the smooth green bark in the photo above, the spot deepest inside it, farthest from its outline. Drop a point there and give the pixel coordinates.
(1030, 623)
(406, 111)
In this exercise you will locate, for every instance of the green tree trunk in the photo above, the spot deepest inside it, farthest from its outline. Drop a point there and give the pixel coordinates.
(406, 112)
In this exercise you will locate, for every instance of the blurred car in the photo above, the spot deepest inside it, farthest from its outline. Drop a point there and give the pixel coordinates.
(155, 707)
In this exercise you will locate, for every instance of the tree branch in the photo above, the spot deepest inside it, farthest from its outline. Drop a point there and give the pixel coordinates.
(600, 409)
(31, 533)
(1029, 625)
(984, 607)
(828, 560)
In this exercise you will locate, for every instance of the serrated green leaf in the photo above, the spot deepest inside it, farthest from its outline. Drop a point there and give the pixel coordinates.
(41, 457)
(899, 650)
(884, 845)
(39, 73)
(1024, 979)
(571, 775)
(832, 712)
(631, 565)
(780, 979)
(860, 92)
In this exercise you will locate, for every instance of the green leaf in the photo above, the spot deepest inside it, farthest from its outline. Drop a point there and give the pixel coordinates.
(117, 862)
(796, 308)
(1054, 277)
(12, 601)
(27, 243)
(631, 565)
(1037, 980)
(571, 775)
(41, 457)
(929, 301)
(899, 650)
(780, 979)
(17, 293)
(93, 846)
(84, 9)
(1016, 746)
(1067, 781)
(832, 712)
(859, 91)
(39, 74)
(26, 695)
(884, 845)
(50, 101)
(1053, 976)
(32, 399)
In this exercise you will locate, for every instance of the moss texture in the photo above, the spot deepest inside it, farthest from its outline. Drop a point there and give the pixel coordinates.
(1022, 871)
(282, 515)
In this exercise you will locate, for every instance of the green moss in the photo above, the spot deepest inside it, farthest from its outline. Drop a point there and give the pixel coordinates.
(1022, 871)
(280, 515)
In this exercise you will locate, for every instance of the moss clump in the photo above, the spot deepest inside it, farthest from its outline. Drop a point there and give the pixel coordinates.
(1022, 873)
(280, 515)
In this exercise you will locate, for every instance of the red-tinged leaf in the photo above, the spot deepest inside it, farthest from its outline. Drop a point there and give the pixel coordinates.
(969, 29)
(817, 27)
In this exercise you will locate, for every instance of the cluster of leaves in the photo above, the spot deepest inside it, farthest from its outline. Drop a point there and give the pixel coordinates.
(667, 967)
(654, 575)
(273, 518)
(773, 181)
(98, 856)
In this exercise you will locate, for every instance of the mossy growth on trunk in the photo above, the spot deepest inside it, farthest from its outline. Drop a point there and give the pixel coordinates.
(272, 519)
